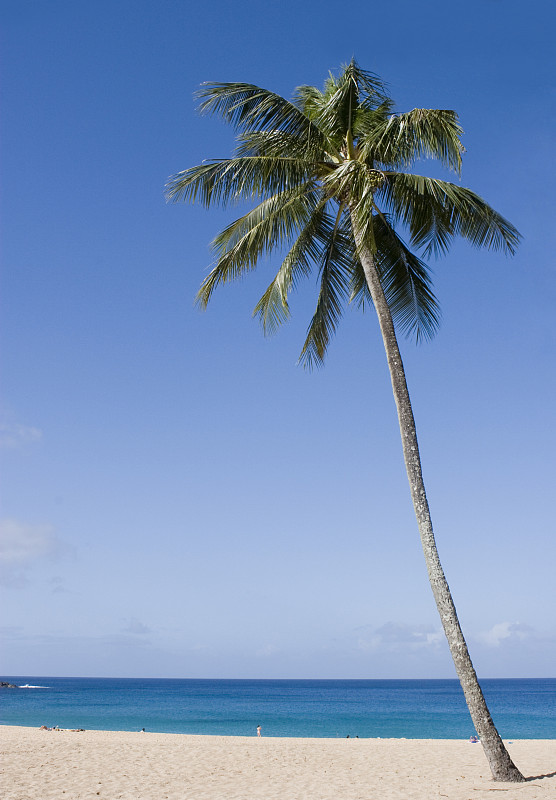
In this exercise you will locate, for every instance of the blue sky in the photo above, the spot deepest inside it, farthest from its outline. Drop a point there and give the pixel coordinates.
(179, 498)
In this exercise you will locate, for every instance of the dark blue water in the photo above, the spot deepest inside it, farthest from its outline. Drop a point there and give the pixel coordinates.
(429, 709)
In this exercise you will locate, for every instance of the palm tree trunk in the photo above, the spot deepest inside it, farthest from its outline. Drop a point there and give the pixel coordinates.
(501, 765)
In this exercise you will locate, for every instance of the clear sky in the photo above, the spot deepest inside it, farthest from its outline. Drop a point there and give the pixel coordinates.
(179, 498)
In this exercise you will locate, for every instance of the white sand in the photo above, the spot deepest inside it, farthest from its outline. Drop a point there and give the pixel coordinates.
(39, 765)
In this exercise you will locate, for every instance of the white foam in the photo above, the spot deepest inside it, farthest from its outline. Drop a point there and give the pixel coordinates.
(28, 686)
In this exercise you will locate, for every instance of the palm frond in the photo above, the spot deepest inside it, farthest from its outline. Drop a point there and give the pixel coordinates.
(406, 283)
(399, 140)
(337, 112)
(366, 123)
(335, 274)
(232, 179)
(273, 309)
(269, 226)
(309, 100)
(249, 107)
(435, 211)
(334, 110)
(358, 183)
(372, 89)
(277, 144)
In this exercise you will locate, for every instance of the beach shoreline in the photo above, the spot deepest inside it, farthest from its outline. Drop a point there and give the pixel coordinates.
(85, 765)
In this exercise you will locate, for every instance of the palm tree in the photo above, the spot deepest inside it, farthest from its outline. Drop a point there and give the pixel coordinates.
(328, 170)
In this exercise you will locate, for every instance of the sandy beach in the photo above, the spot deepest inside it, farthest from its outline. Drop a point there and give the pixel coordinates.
(38, 765)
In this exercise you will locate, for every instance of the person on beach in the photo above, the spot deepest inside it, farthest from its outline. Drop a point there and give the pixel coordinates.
(258, 730)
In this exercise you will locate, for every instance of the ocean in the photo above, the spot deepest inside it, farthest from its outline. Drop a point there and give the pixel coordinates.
(414, 709)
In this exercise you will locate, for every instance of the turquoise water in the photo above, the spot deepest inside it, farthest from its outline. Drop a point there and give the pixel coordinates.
(431, 709)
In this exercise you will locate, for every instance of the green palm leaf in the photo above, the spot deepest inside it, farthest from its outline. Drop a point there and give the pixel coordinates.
(249, 107)
(272, 224)
(406, 283)
(435, 211)
(234, 179)
(399, 140)
(335, 271)
(273, 309)
(277, 144)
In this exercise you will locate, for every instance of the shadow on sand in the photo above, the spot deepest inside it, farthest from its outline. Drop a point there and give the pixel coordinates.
(540, 777)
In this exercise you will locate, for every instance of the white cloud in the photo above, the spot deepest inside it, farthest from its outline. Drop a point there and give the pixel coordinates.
(14, 434)
(505, 632)
(136, 627)
(22, 544)
(395, 636)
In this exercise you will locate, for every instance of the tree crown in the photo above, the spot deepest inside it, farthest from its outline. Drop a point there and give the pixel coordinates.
(322, 165)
